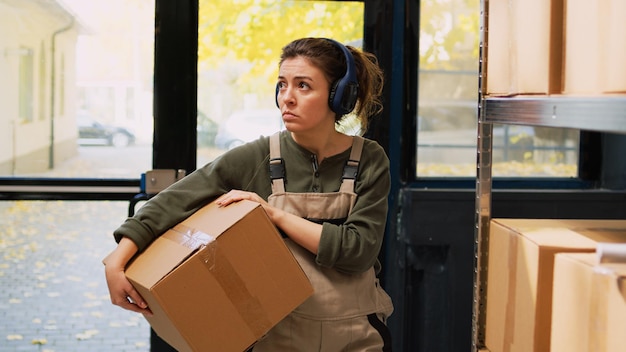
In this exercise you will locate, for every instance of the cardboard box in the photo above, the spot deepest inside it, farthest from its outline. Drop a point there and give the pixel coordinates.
(588, 305)
(524, 47)
(219, 280)
(595, 49)
(520, 272)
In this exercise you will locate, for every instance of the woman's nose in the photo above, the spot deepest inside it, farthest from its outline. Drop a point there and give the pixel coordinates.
(286, 95)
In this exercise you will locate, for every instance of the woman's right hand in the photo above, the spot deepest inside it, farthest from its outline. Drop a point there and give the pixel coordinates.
(122, 292)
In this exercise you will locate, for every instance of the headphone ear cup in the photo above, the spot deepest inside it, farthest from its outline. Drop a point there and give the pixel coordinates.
(332, 95)
(343, 93)
(343, 96)
(349, 96)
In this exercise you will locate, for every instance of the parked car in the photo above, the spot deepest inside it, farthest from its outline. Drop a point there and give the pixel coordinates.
(92, 132)
(247, 125)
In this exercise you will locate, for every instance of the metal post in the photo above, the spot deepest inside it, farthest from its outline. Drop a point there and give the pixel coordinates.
(483, 196)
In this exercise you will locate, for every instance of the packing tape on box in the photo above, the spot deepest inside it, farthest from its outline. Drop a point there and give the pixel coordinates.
(248, 306)
(189, 237)
(611, 253)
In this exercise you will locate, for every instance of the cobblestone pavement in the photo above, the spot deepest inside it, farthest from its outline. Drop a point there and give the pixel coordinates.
(53, 296)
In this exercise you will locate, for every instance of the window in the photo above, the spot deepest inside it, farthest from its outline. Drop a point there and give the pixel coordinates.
(239, 47)
(59, 62)
(41, 84)
(62, 86)
(95, 62)
(448, 106)
(25, 84)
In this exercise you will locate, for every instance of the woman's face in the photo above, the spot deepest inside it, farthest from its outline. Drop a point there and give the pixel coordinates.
(303, 96)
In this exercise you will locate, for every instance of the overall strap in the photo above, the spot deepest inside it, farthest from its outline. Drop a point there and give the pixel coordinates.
(351, 169)
(277, 165)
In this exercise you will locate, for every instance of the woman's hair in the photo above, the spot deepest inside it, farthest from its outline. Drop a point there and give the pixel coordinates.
(325, 55)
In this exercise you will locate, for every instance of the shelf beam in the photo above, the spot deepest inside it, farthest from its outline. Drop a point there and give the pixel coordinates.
(602, 114)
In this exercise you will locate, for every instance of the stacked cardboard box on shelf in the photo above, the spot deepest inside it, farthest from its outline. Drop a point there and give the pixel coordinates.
(524, 51)
(555, 47)
(219, 280)
(520, 275)
(595, 49)
(589, 304)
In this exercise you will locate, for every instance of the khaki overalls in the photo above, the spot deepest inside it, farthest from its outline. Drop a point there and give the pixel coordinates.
(347, 311)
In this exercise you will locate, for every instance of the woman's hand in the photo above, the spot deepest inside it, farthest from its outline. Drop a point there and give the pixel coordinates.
(237, 195)
(122, 292)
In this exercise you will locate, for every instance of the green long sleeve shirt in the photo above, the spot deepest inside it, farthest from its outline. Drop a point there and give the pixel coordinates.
(351, 247)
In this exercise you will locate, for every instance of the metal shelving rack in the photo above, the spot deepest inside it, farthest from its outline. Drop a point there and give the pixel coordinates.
(598, 113)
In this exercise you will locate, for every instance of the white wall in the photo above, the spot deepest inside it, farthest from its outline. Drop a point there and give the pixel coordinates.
(31, 24)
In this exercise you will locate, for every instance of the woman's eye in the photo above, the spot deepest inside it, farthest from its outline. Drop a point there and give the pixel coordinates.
(303, 85)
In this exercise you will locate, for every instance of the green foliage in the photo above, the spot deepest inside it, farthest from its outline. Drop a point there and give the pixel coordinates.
(251, 33)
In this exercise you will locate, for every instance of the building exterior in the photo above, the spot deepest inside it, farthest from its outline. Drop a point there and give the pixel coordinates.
(37, 66)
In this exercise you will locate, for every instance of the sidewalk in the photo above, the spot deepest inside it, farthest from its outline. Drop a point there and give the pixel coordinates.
(53, 296)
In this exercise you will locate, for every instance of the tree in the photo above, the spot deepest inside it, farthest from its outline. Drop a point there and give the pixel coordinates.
(251, 33)
(449, 34)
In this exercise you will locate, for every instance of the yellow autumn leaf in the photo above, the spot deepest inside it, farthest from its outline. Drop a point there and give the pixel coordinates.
(87, 334)
(40, 341)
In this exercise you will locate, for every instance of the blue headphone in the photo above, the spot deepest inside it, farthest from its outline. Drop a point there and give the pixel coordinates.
(344, 92)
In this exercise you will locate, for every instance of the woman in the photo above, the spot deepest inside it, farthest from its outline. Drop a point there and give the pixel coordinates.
(325, 191)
